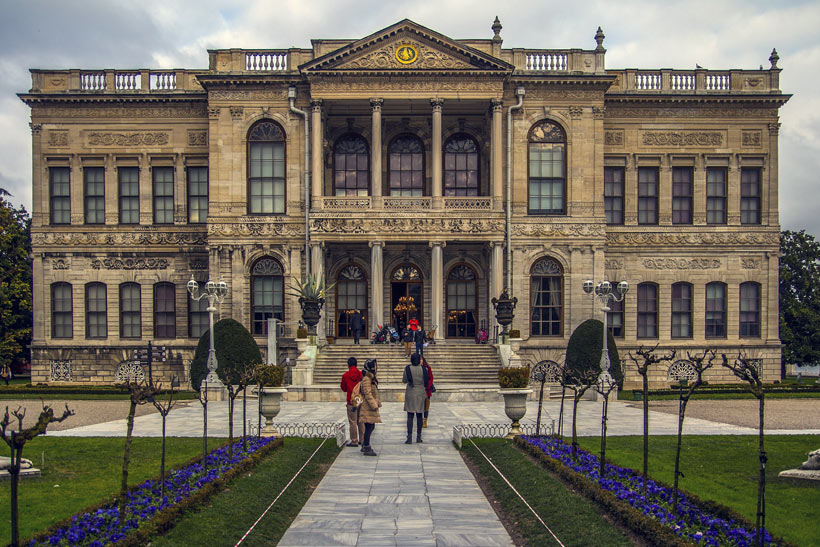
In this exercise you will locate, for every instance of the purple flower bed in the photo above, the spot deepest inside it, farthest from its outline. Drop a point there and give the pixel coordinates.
(689, 522)
(104, 526)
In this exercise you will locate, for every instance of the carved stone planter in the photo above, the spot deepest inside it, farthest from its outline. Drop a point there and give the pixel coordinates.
(271, 404)
(515, 407)
(311, 311)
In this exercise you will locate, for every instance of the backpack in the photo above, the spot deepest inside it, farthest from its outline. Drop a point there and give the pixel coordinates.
(356, 397)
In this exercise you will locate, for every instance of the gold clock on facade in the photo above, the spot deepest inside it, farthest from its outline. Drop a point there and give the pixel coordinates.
(406, 54)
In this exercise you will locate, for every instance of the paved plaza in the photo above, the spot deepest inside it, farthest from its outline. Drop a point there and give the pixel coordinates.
(418, 494)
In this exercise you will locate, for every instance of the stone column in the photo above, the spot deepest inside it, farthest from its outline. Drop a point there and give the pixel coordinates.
(376, 284)
(437, 287)
(317, 153)
(496, 278)
(496, 154)
(376, 152)
(317, 267)
(436, 155)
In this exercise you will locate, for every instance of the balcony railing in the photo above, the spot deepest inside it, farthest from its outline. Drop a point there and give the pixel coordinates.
(468, 204)
(558, 60)
(115, 81)
(359, 203)
(407, 203)
(699, 80)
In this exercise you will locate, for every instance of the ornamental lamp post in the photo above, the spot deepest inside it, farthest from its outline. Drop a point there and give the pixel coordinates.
(603, 292)
(215, 293)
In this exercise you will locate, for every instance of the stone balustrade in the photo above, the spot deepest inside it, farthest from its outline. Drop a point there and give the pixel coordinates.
(115, 81)
(700, 80)
(388, 203)
(557, 60)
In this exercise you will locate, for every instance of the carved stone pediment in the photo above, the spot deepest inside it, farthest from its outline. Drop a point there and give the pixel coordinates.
(405, 46)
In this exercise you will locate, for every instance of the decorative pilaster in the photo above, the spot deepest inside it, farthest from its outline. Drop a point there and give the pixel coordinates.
(770, 206)
(437, 104)
(317, 167)
(376, 150)
(376, 284)
(496, 163)
(437, 288)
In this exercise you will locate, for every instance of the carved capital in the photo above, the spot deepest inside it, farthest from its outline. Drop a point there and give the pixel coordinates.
(575, 112)
(376, 244)
(213, 113)
(497, 105)
(316, 105)
(598, 112)
(376, 104)
(774, 128)
(437, 104)
(441, 244)
(35, 128)
(237, 112)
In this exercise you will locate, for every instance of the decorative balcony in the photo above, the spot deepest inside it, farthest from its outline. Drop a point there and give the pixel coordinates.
(560, 61)
(392, 204)
(113, 81)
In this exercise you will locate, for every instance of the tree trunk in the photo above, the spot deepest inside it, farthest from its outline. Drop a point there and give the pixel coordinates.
(230, 426)
(761, 483)
(162, 461)
(561, 413)
(205, 436)
(645, 429)
(540, 403)
(602, 471)
(681, 413)
(244, 417)
(14, 471)
(576, 397)
(126, 458)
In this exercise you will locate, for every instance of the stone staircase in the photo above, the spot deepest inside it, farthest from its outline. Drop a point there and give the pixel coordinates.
(453, 363)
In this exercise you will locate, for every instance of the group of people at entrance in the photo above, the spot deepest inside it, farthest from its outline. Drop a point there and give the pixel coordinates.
(412, 335)
(363, 401)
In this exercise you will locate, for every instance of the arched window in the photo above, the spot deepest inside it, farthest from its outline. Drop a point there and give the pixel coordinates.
(546, 298)
(130, 311)
(266, 168)
(461, 302)
(62, 311)
(461, 166)
(750, 310)
(267, 293)
(351, 295)
(96, 311)
(716, 310)
(406, 295)
(165, 310)
(406, 168)
(647, 310)
(547, 169)
(681, 310)
(351, 166)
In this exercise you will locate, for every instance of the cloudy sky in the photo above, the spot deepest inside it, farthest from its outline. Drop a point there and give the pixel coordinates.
(716, 34)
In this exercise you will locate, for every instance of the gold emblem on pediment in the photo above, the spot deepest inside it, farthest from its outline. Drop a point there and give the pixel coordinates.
(406, 54)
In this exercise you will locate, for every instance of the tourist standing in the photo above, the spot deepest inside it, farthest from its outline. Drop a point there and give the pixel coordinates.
(408, 336)
(429, 388)
(419, 338)
(5, 373)
(349, 380)
(356, 325)
(369, 411)
(414, 395)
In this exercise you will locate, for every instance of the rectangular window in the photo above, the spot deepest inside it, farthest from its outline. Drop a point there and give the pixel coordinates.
(681, 310)
(614, 194)
(268, 301)
(547, 180)
(546, 306)
(60, 189)
(749, 310)
(647, 195)
(715, 310)
(615, 318)
(129, 184)
(197, 317)
(681, 195)
(96, 311)
(164, 310)
(647, 310)
(716, 195)
(197, 194)
(61, 311)
(94, 183)
(163, 195)
(750, 195)
(130, 311)
(267, 177)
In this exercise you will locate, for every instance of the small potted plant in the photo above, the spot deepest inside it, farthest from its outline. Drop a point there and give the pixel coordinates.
(514, 382)
(311, 293)
(270, 379)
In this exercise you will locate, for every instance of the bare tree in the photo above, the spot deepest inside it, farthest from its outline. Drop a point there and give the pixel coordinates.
(202, 397)
(17, 439)
(139, 393)
(699, 364)
(579, 385)
(649, 358)
(247, 378)
(605, 388)
(164, 408)
(747, 370)
(236, 381)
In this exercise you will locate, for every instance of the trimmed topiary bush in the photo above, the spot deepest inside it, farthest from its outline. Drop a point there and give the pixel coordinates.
(236, 350)
(514, 377)
(584, 351)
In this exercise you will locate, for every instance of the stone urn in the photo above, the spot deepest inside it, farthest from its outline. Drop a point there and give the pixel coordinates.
(515, 407)
(504, 307)
(270, 405)
(311, 310)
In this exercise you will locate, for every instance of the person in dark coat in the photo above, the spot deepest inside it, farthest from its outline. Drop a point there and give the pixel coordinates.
(349, 380)
(429, 390)
(369, 411)
(408, 336)
(414, 395)
(356, 325)
(420, 338)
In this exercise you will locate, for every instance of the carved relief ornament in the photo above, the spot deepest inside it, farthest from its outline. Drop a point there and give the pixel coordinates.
(748, 263)
(614, 264)
(684, 112)
(681, 264)
(614, 137)
(179, 111)
(750, 138)
(156, 138)
(682, 138)
(58, 138)
(197, 137)
(120, 239)
(666, 238)
(558, 230)
(250, 94)
(405, 225)
(130, 263)
(428, 85)
(246, 227)
(398, 55)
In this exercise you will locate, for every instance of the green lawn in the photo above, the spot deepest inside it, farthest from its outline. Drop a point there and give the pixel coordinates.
(725, 469)
(574, 519)
(226, 517)
(79, 472)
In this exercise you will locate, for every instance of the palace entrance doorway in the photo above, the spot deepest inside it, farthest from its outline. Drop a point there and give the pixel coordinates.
(406, 296)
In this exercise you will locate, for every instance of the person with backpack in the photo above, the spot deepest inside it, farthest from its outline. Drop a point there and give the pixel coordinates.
(429, 388)
(415, 393)
(349, 380)
(5, 373)
(369, 410)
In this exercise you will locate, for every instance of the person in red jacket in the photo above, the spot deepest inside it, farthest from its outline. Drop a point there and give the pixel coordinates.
(349, 380)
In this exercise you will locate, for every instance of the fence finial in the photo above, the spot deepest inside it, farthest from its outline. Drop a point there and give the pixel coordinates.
(496, 30)
(599, 39)
(773, 58)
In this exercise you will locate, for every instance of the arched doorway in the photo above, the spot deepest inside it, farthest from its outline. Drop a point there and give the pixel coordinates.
(461, 302)
(351, 295)
(406, 295)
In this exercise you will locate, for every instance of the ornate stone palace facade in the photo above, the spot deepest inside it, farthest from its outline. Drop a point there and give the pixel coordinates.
(418, 173)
